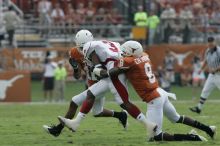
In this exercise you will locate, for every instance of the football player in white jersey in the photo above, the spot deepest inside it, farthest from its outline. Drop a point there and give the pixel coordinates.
(76, 60)
(104, 54)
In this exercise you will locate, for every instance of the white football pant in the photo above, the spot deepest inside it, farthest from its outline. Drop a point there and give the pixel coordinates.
(211, 83)
(157, 107)
(98, 90)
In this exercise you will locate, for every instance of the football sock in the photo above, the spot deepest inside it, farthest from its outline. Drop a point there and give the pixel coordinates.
(176, 137)
(193, 123)
(80, 116)
(201, 103)
(86, 106)
(186, 137)
(105, 113)
(116, 114)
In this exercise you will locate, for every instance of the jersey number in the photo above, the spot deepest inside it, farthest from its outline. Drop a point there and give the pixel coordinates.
(113, 47)
(149, 73)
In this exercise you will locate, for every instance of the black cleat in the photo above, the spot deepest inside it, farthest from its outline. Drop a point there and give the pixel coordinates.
(194, 136)
(123, 119)
(195, 109)
(52, 130)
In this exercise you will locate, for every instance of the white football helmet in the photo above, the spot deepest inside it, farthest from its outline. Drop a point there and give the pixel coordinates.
(83, 36)
(132, 48)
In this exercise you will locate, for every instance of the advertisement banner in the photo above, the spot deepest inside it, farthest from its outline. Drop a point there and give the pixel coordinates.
(33, 59)
(15, 86)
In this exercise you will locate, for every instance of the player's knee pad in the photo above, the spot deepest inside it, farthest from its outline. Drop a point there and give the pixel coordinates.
(90, 95)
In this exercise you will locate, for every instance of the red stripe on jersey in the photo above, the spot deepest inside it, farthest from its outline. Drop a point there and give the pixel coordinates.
(109, 59)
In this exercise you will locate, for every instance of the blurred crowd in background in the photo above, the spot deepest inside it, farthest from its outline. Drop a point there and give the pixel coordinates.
(167, 21)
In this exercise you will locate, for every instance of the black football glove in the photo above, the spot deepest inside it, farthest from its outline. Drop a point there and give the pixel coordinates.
(73, 63)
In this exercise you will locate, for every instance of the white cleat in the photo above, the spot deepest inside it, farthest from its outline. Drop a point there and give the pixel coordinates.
(46, 128)
(195, 133)
(213, 131)
(71, 124)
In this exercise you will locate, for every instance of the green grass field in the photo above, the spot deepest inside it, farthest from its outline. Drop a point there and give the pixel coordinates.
(21, 124)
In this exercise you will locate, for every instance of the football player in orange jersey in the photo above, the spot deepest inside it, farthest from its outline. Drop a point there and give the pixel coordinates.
(77, 62)
(137, 67)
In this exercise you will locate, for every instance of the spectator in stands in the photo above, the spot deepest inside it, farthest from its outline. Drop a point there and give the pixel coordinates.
(81, 10)
(164, 78)
(58, 16)
(140, 17)
(186, 76)
(100, 16)
(60, 74)
(100, 19)
(2, 29)
(215, 16)
(80, 13)
(70, 14)
(177, 35)
(169, 62)
(72, 19)
(198, 79)
(186, 13)
(44, 9)
(169, 12)
(168, 16)
(12, 20)
(115, 19)
(203, 18)
(153, 22)
(90, 12)
(48, 78)
(186, 17)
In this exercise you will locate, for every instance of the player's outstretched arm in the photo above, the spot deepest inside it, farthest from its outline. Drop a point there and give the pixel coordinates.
(117, 70)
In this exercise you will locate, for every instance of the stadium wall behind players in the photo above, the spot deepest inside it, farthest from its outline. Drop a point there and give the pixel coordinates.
(32, 59)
